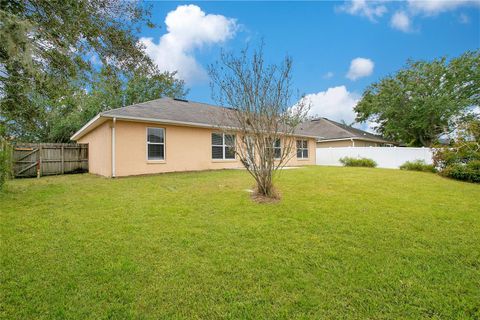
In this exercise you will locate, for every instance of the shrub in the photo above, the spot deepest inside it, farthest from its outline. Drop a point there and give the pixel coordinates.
(458, 154)
(462, 159)
(5, 162)
(418, 165)
(466, 172)
(358, 162)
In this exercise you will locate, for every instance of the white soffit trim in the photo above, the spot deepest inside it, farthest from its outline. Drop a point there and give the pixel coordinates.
(80, 132)
(353, 138)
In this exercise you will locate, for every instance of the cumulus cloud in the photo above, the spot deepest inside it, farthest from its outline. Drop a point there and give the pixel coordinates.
(401, 21)
(335, 103)
(369, 9)
(188, 28)
(328, 75)
(359, 68)
(434, 7)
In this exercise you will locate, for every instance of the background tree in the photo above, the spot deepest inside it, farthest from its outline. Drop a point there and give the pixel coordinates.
(48, 51)
(423, 100)
(461, 160)
(260, 114)
(108, 90)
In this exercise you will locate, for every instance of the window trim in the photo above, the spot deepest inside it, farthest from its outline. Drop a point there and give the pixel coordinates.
(275, 148)
(158, 143)
(223, 146)
(302, 148)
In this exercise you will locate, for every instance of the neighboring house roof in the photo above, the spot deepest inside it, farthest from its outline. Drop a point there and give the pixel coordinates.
(327, 130)
(189, 113)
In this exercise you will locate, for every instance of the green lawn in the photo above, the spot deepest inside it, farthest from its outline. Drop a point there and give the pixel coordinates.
(343, 243)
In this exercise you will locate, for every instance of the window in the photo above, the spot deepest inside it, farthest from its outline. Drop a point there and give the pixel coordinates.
(276, 147)
(223, 146)
(155, 144)
(302, 149)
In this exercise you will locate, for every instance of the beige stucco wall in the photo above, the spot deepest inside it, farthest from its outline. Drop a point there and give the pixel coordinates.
(362, 143)
(334, 144)
(186, 149)
(346, 143)
(99, 150)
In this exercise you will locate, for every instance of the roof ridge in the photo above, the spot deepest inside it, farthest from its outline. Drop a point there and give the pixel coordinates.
(339, 125)
(131, 105)
(352, 130)
(210, 105)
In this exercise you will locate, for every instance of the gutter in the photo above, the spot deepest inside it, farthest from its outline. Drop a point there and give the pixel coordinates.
(356, 138)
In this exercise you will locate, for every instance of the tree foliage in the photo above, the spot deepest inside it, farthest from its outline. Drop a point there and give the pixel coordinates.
(423, 101)
(108, 90)
(461, 160)
(64, 60)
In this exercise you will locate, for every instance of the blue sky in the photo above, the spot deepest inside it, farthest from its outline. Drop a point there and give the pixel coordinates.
(325, 40)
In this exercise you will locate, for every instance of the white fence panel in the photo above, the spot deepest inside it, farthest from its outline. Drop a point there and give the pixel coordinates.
(385, 157)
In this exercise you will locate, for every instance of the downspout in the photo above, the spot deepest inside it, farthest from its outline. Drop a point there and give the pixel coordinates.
(353, 142)
(113, 147)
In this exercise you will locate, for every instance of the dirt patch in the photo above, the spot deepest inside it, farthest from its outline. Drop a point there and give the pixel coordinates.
(260, 198)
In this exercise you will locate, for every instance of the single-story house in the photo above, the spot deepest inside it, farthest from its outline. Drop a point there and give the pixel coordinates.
(166, 135)
(334, 134)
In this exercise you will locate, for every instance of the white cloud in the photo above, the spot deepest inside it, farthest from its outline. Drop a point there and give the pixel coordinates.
(188, 29)
(464, 19)
(434, 7)
(328, 75)
(335, 103)
(359, 68)
(401, 21)
(369, 9)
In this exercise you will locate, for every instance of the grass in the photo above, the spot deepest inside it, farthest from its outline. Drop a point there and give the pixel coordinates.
(351, 243)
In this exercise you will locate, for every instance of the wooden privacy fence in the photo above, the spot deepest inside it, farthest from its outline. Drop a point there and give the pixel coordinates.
(41, 159)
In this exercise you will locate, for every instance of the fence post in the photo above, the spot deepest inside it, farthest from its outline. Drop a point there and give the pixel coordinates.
(39, 170)
(63, 160)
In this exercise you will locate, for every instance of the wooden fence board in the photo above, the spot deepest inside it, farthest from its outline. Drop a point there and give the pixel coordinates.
(38, 159)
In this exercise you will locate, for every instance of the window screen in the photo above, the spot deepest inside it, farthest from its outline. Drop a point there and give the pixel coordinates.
(223, 146)
(155, 144)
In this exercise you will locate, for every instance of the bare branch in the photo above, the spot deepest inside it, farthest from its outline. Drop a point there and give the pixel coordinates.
(260, 111)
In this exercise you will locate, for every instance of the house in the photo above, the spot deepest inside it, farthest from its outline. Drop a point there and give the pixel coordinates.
(333, 134)
(166, 135)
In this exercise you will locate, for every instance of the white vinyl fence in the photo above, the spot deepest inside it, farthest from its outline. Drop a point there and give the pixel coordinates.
(385, 157)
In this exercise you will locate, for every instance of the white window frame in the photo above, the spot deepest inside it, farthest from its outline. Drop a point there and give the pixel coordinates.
(275, 148)
(302, 149)
(223, 146)
(157, 143)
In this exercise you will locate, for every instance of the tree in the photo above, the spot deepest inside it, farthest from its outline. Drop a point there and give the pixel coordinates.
(260, 116)
(461, 160)
(144, 86)
(108, 90)
(423, 100)
(47, 54)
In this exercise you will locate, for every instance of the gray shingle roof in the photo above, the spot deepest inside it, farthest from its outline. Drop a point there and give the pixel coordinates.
(196, 113)
(174, 110)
